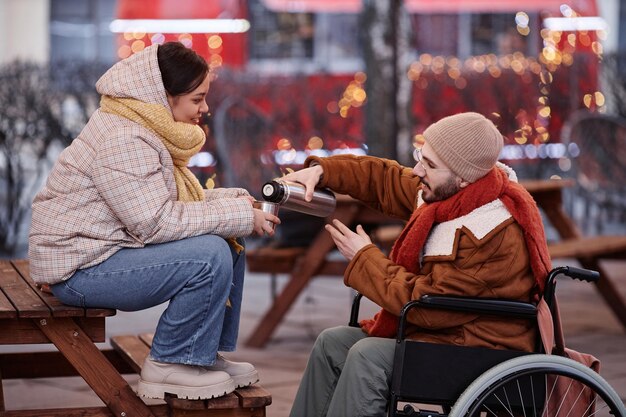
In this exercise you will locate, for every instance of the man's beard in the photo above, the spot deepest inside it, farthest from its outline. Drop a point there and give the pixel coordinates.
(444, 191)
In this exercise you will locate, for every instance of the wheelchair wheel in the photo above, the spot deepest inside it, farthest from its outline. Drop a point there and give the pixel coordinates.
(539, 386)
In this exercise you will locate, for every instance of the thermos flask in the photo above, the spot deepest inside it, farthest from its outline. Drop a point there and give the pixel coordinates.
(290, 195)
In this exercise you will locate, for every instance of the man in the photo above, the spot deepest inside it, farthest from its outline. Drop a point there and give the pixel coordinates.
(472, 230)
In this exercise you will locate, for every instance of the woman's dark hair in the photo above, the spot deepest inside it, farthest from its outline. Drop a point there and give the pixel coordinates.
(182, 70)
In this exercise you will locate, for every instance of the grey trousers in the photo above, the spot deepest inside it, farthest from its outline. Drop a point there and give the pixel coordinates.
(348, 375)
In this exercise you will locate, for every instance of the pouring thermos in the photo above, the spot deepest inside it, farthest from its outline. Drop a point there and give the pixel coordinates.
(290, 195)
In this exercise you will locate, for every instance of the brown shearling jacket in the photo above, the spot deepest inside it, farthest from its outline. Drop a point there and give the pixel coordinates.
(482, 254)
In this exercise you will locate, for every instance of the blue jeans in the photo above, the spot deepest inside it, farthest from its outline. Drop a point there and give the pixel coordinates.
(199, 276)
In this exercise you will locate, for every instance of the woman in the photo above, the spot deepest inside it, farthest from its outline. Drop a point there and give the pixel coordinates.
(122, 223)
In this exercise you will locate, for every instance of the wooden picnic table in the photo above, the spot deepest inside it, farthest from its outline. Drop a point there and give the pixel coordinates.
(303, 264)
(29, 315)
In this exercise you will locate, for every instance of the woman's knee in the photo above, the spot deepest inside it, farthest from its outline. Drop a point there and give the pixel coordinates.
(211, 249)
(212, 258)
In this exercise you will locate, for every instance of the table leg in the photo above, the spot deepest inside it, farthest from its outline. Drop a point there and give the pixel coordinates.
(566, 228)
(306, 267)
(93, 366)
(1, 393)
(552, 207)
(607, 289)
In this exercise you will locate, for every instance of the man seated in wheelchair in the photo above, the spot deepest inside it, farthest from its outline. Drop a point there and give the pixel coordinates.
(471, 230)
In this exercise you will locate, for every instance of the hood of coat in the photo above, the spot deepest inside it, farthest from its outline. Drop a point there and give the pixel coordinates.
(138, 77)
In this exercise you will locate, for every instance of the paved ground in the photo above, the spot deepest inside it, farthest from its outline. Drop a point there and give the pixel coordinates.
(589, 327)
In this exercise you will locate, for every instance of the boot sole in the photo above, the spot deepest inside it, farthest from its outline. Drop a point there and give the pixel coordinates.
(245, 380)
(158, 391)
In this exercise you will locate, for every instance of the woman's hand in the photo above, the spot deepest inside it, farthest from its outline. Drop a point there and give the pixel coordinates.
(261, 225)
(309, 177)
(347, 241)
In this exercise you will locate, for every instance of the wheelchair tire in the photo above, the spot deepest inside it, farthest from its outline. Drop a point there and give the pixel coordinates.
(497, 391)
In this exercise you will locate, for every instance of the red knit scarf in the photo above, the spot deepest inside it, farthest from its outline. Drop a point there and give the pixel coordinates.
(495, 185)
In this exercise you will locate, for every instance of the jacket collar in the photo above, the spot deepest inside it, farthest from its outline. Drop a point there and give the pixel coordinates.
(480, 222)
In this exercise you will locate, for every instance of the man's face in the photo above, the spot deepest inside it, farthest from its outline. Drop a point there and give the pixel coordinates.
(438, 181)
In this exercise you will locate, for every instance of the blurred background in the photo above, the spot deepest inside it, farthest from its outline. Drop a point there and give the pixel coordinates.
(302, 77)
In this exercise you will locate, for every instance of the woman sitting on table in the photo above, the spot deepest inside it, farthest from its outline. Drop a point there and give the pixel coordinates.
(122, 223)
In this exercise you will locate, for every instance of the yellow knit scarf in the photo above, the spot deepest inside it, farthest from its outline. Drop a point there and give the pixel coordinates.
(182, 140)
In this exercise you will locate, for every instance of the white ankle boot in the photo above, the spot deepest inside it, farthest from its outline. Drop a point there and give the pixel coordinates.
(185, 381)
(243, 373)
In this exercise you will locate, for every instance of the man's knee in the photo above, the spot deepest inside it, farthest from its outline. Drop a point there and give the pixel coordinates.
(336, 337)
(373, 351)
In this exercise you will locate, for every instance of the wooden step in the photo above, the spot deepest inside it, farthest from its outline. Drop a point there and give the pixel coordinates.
(134, 349)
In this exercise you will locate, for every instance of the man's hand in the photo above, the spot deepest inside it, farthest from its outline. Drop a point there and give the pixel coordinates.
(347, 241)
(309, 177)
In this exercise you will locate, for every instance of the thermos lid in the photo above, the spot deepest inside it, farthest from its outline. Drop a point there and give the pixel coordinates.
(272, 191)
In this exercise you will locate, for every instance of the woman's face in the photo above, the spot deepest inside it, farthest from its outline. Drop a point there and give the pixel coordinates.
(188, 108)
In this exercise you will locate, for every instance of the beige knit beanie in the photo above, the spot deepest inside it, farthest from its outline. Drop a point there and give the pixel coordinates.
(468, 143)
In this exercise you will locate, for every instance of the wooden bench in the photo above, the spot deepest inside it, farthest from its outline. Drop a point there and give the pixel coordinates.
(589, 251)
(30, 316)
(605, 247)
(283, 260)
(250, 401)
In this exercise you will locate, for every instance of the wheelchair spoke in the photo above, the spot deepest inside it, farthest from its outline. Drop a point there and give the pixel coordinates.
(552, 386)
(521, 397)
(506, 407)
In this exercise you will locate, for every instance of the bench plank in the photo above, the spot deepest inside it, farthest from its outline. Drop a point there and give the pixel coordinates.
(6, 308)
(254, 396)
(228, 401)
(158, 410)
(25, 365)
(20, 294)
(147, 338)
(134, 349)
(26, 331)
(57, 308)
(601, 247)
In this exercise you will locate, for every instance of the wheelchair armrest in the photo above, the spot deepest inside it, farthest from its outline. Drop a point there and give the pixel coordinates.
(485, 306)
(498, 307)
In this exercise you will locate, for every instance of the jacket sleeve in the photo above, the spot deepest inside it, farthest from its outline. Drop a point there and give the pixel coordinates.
(382, 184)
(496, 267)
(129, 176)
(217, 193)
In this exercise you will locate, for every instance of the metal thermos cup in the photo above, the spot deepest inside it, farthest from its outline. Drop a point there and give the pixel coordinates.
(268, 207)
(290, 195)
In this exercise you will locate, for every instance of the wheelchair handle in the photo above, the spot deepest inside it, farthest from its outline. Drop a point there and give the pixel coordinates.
(354, 312)
(587, 275)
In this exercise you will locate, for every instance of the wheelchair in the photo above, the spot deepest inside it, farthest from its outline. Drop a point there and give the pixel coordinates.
(435, 380)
